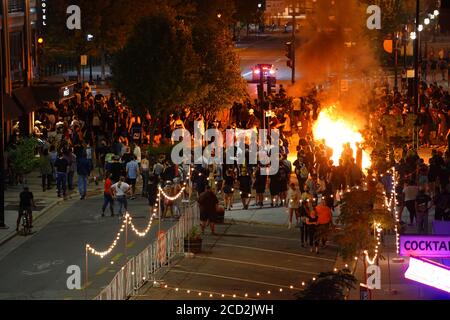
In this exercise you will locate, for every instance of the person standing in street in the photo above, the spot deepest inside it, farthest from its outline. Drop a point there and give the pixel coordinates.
(46, 169)
(145, 172)
(422, 208)
(208, 208)
(107, 195)
(311, 225)
(293, 198)
(119, 192)
(132, 169)
(303, 213)
(410, 191)
(61, 168)
(83, 170)
(325, 221)
(72, 160)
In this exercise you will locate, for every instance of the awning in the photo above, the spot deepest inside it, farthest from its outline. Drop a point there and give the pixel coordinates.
(11, 110)
(26, 99)
(56, 92)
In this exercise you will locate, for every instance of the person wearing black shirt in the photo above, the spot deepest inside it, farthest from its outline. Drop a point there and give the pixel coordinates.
(116, 169)
(61, 168)
(312, 221)
(208, 209)
(25, 206)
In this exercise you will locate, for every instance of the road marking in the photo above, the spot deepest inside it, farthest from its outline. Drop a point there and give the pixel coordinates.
(257, 264)
(231, 278)
(101, 271)
(117, 257)
(131, 244)
(268, 237)
(274, 251)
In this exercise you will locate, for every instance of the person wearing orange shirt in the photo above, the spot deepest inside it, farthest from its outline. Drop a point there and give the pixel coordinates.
(325, 220)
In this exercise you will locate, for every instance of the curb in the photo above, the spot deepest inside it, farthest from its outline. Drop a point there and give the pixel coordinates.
(41, 213)
(36, 218)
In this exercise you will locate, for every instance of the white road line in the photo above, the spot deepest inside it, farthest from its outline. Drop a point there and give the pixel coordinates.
(256, 264)
(269, 237)
(232, 278)
(273, 251)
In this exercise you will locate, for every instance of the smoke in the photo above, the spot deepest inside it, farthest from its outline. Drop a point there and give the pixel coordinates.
(334, 45)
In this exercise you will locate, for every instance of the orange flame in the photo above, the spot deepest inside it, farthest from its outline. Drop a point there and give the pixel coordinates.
(336, 132)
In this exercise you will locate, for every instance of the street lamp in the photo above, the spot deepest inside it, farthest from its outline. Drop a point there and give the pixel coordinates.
(426, 21)
(90, 38)
(420, 27)
(436, 12)
(219, 15)
(412, 35)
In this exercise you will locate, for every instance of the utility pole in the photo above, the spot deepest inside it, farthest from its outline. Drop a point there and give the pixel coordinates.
(293, 46)
(5, 88)
(396, 62)
(416, 59)
(416, 70)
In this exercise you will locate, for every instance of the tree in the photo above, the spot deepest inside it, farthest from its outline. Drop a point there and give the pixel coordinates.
(328, 286)
(22, 157)
(157, 68)
(360, 209)
(220, 77)
(109, 21)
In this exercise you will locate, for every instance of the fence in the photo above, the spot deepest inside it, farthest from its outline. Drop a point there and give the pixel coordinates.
(139, 269)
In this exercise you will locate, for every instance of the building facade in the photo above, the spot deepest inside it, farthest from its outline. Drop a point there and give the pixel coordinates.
(18, 27)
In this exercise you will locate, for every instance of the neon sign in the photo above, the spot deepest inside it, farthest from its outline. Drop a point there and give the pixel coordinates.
(44, 12)
(425, 246)
(429, 273)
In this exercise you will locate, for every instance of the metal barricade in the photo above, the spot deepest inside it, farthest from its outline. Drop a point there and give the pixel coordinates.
(138, 270)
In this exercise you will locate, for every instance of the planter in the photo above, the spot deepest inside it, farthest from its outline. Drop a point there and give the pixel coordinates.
(220, 215)
(193, 245)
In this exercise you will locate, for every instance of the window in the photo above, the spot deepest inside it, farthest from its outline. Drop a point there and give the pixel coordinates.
(16, 51)
(16, 5)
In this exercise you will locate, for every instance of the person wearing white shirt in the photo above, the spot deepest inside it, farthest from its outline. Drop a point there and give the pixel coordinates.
(137, 153)
(120, 191)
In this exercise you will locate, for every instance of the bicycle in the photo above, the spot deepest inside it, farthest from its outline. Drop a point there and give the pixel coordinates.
(26, 228)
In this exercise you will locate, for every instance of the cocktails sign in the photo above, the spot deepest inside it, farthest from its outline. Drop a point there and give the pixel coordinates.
(425, 246)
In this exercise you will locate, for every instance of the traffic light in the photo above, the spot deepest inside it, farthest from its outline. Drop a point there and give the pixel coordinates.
(289, 53)
(271, 85)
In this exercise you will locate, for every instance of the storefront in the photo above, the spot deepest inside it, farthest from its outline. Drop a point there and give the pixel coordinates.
(21, 107)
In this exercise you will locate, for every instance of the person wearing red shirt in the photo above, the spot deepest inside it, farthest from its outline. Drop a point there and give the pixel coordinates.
(107, 196)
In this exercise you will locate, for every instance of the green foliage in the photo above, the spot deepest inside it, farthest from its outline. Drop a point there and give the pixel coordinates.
(157, 68)
(194, 234)
(220, 76)
(328, 286)
(155, 152)
(22, 156)
(359, 210)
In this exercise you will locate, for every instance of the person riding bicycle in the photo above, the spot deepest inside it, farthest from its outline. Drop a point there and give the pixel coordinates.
(26, 207)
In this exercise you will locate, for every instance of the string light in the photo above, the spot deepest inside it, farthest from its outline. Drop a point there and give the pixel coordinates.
(169, 197)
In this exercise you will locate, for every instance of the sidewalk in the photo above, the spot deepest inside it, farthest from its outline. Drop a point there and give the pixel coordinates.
(44, 201)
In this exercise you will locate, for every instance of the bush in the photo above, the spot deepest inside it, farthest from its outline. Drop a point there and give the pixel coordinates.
(22, 156)
(156, 152)
(194, 234)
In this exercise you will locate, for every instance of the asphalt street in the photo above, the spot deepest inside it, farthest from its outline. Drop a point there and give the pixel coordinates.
(35, 267)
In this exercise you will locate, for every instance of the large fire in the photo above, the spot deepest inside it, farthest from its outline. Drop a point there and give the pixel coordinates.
(336, 132)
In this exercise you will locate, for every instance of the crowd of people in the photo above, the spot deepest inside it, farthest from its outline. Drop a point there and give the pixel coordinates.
(100, 138)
